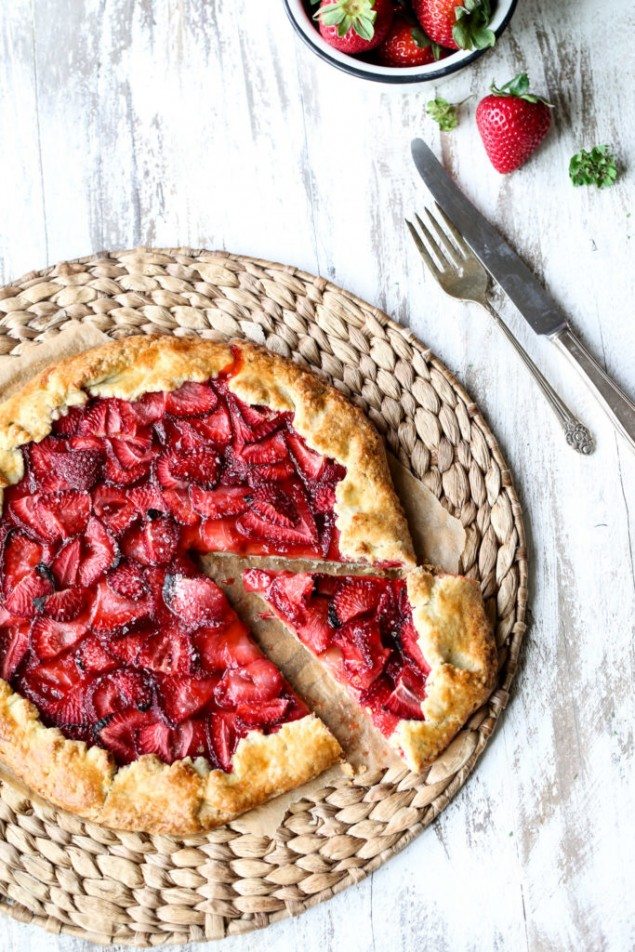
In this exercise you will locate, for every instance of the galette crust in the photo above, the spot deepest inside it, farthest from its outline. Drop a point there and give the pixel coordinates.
(369, 516)
(181, 798)
(456, 640)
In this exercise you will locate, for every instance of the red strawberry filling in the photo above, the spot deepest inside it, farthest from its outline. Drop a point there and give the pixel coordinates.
(105, 622)
(362, 628)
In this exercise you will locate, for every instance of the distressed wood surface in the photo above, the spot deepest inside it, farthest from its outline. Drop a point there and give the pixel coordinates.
(205, 123)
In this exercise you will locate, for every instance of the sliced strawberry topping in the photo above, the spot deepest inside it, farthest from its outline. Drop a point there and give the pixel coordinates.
(93, 658)
(114, 507)
(121, 731)
(134, 452)
(14, 646)
(147, 499)
(65, 565)
(271, 450)
(156, 737)
(192, 399)
(128, 580)
(179, 504)
(67, 425)
(226, 732)
(109, 417)
(324, 497)
(24, 599)
(56, 469)
(199, 465)
(50, 680)
(120, 690)
(265, 714)
(354, 598)
(364, 654)
(214, 535)
(114, 613)
(153, 543)
(258, 681)
(169, 652)
(98, 553)
(268, 473)
(54, 516)
(181, 697)
(215, 428)
(71, 708)
(191, 739)
(222, 502)
(124, 475)
(218, 649)
(64, 605)
(150, 407)
(408, 693)
(195, 601)
(310, 463)
(21, 556)
(50, 638)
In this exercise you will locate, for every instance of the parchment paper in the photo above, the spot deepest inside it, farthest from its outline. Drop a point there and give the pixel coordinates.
(438, 539)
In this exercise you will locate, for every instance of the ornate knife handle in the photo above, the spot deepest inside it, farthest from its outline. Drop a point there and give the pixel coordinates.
(616, 404)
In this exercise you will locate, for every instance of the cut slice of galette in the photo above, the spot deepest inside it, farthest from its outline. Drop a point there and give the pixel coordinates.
(130, 692)
(417, 653)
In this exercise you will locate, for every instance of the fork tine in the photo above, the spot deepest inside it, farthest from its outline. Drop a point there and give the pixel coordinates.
(455, 255)
(433, 245)
(423, 251)
(456, 234)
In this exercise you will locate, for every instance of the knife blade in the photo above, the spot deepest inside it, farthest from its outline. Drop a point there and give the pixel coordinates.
(503, 263)
(523, 288)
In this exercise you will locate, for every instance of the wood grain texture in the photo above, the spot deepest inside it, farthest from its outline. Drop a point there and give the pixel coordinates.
(204, 122)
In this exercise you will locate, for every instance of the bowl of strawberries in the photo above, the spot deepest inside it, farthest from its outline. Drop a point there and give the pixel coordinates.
(400, 41)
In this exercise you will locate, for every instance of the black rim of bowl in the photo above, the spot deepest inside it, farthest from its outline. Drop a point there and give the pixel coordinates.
(353, 70)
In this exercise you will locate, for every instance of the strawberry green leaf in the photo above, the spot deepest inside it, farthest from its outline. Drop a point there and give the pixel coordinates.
(419, 37)
(357, 15)
(444, 112)
(518, 88)
(471, 30)
(595, 167)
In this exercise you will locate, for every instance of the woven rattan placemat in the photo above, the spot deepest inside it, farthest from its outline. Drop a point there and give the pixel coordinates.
(71, 876)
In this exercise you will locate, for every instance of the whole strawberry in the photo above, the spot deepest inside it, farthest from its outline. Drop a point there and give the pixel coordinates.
(512, 123)
(456, 25)
(354, 26)
(407, 45)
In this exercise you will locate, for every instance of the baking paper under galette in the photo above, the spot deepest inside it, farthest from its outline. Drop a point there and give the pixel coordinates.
(130, 691)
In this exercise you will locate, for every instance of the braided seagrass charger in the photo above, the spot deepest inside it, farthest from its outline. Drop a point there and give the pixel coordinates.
(71, 876)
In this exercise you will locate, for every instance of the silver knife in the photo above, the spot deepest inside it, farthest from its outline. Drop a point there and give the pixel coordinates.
(534, 303)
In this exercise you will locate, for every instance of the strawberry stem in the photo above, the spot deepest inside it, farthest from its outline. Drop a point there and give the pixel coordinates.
(356, 15)
(518, 88)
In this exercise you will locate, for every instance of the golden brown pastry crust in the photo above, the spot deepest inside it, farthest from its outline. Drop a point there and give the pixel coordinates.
(369, 516)
(456, 640)
(184, 797)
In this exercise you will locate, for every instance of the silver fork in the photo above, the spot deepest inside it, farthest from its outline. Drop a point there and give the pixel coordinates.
(461, 275)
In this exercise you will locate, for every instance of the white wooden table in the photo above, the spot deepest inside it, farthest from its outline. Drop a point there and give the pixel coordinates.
(205, 123)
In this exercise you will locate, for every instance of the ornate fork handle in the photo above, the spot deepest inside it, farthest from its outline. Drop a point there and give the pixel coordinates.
(576, 433)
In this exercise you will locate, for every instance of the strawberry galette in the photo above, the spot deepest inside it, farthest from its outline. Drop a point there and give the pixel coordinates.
(130, 691)
(415, 652)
